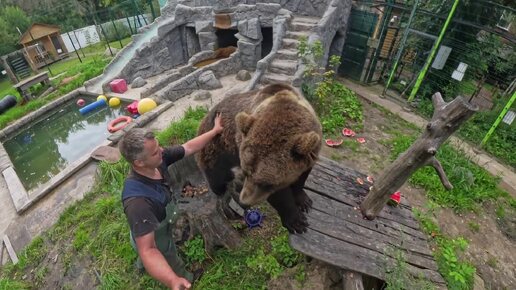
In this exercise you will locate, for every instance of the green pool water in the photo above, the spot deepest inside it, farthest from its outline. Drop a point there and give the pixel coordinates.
(50, 144)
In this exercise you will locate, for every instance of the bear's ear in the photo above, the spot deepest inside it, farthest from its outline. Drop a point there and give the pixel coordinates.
(307, 143)
(244, 122)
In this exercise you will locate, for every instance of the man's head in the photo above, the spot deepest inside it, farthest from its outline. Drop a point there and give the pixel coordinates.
(140, 148)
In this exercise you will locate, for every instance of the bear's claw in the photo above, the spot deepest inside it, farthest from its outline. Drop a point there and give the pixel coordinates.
(303, 202)
(296, 224)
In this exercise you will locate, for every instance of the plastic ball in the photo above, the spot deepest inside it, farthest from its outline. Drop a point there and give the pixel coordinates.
(102, 97)
(113, 102)
(81, 102)
(145, 105)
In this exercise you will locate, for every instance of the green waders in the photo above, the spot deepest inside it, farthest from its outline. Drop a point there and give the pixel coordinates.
(166, 245)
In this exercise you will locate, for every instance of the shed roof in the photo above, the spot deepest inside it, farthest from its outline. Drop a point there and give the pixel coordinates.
(37, 31)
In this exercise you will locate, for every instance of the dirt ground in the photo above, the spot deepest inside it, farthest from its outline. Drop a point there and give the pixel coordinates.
(491, 251)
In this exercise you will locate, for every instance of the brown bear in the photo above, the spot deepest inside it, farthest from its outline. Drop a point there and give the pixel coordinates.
(274, 136)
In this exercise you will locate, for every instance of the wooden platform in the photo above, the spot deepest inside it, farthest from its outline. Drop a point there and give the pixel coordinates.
(340, 236)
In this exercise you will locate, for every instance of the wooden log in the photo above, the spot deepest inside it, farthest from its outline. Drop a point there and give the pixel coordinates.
(447, 118)
(352, 281)
(202, 214)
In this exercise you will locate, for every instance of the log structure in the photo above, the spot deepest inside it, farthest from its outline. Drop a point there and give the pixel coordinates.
(339, 235)
(447, 118)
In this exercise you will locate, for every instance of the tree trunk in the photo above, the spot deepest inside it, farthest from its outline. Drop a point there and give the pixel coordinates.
(202, 213)
(447, 118)
(352, 281)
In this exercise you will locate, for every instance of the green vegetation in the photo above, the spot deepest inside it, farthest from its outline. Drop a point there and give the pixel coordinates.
(336, 105)
(397, 276)
(184, 130)
(458, 274)
(95, 230)
(194, 250)
(502, 142)
(83, 72)
(473, 185)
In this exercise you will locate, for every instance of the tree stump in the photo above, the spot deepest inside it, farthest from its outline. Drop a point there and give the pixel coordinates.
(447, 118)
(201, 214)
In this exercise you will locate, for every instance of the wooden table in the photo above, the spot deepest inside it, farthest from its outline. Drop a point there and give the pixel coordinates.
(340, 236)
(24, 86)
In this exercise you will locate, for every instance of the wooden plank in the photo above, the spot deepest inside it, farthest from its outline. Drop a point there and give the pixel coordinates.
(10, 250)
(388, 234)
(415, 254)
(350, 214)
(341, 193)
(347, 190)
(352, 257)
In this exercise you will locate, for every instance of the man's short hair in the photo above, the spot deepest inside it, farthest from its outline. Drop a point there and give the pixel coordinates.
(132, 143)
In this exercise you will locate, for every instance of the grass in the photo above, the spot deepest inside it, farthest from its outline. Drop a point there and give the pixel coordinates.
(93, 65)
(473, 185)
(457, 273)
(87, 70)
(180, 132)
(397, 276)
(502, 142)
(95, 230)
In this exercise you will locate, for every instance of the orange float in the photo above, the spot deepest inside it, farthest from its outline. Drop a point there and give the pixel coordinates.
(119, 123)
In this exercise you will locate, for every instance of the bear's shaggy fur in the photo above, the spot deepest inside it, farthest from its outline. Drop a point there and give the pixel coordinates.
(274, 136)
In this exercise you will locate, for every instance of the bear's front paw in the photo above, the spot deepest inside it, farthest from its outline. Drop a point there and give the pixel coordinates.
(303, 202)
(295, 223)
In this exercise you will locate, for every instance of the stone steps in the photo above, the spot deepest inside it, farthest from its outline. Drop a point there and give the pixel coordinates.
(290, 43)
(297, 26)
(282, 66)
(297, 34)
(287, 54)
(270, 78)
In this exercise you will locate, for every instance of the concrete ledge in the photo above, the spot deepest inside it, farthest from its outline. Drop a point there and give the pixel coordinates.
(19, 195)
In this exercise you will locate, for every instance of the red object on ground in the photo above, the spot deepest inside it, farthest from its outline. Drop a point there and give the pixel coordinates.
(361, 140)
(118, 86)
(133, 108)
(348, 132)
(119, 123)
(81, 102)
(333, 143)
(395, 198)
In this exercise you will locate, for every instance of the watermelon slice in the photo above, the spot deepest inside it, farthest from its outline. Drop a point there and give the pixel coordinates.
(333, 143)
(361, 140)
(348, 132)
(395, 199)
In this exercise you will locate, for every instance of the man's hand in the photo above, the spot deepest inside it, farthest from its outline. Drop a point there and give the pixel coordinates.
(179, 283)
(217, 127)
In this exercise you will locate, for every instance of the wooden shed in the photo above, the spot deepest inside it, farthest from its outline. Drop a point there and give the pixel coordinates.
(43, 44)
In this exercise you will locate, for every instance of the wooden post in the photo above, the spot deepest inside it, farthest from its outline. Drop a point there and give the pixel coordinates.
(8, 70)
(447, 118)
(352, 281)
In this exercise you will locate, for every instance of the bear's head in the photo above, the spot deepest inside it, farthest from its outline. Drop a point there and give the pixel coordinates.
(277, 142)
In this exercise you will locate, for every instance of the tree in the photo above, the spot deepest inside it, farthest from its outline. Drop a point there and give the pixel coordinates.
(11, 18)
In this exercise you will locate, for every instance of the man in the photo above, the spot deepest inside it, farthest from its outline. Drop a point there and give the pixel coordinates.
(148, 204)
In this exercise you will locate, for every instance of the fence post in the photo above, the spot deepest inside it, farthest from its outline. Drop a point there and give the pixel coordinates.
(152, 10)
(114, 26)
(401, 47)
(105, 37)
(79, 43)
(499, 119)
(432, 53)
(73, 45)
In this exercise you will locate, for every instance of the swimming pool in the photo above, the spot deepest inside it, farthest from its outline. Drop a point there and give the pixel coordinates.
(46, 146)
